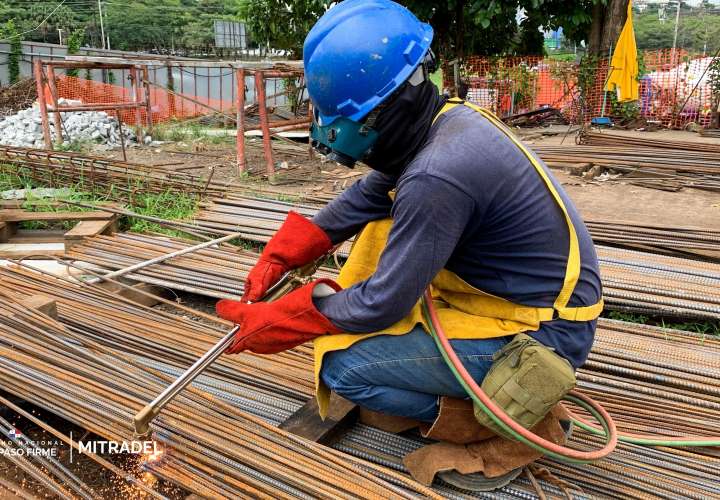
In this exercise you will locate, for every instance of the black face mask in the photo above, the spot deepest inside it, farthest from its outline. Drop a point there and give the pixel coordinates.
(402, 126)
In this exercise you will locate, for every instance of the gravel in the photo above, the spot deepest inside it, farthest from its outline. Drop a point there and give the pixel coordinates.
(24, 128)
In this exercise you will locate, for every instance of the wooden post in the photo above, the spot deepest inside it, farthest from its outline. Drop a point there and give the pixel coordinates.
(39, 82)
(311, 150)
(262, 109)
(240, 120)
(135, 91)
(146, 86)
(57, 120)
(172, 109)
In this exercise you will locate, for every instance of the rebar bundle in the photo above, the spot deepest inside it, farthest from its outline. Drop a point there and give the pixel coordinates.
(699, 163)
(697, 242)
(259, 219)
(254, 216)
(47, 471)
(610, 139)
(214, 272)
(650, 166)
(633, 281)
(100, 362)
(116, 179)
(659, 285)
(105, 357)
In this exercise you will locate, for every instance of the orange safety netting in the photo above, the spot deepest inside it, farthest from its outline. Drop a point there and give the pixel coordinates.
(674, 90)
(164, 105)
(674, 87)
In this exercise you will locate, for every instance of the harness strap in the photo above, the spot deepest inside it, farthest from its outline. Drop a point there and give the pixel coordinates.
(572, 270)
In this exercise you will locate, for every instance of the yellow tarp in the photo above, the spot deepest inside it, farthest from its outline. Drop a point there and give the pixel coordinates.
(624, 64)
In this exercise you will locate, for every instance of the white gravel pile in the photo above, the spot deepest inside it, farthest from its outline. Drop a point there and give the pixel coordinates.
(24, 128)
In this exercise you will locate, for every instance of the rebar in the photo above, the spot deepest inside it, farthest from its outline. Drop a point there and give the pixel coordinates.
(633, 281)
(88, 368)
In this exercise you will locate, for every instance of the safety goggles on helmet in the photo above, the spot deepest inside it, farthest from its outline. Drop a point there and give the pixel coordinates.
(346, 141)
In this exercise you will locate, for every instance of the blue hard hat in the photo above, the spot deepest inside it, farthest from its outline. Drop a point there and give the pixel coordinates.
(358, 53)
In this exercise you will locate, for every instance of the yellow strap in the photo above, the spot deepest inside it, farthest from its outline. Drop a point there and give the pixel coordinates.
(572, 270)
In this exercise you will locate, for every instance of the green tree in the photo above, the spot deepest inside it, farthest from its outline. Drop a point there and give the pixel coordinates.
(698, 31)
(714, 75)
(280, 24)
(489, 27)
(142, 25)
(74, 42)
(9, 32)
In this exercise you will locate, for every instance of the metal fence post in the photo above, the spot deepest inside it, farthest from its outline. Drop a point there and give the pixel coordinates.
(264, 122)
(240, 120)
(39, 82)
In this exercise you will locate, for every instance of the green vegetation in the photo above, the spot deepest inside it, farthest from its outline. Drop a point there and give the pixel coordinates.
(437, 79)
(167, 205)
(9, 31)
(190, 131)
(158, 25)
(76, 145)
(74, 42)
(714, 74)
(482, 27)
(698, 31)
(280, 24)
(708, 327)
(562, 57)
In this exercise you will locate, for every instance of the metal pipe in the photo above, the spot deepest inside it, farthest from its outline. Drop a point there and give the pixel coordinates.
(240, 121)
(141, 420)
(262, 111)
(40, 84)
(163, 258)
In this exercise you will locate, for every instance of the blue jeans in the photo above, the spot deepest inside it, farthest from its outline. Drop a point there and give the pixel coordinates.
(404, 375)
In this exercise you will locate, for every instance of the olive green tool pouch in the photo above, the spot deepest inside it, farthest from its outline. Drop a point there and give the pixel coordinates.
(526, 380)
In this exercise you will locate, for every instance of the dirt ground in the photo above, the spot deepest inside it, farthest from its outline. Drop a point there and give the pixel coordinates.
(620, 201)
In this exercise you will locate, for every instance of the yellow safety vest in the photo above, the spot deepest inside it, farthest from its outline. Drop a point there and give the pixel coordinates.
(464, 311)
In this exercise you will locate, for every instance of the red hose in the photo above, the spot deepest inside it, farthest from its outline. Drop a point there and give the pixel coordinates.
(588, 456)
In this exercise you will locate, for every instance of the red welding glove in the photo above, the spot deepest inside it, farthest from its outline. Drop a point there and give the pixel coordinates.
(272, 327)
(297, 242)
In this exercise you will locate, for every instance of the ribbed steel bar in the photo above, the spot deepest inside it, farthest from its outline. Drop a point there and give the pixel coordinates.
(660, 164)
(652, 381)
(100, 393)
(632, 280)
(216, 272)
(260, 218)
(57, 168)
(610, 139)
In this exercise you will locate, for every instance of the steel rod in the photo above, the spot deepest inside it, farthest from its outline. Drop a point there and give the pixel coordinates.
(177, 253)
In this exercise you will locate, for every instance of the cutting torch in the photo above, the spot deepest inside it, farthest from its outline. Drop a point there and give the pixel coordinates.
(289, 282)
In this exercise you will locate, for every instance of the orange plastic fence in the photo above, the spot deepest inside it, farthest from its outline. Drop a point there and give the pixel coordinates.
(673, 90)
(164, 104)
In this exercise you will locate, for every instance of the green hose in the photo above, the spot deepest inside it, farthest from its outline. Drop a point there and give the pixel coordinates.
(648, 441)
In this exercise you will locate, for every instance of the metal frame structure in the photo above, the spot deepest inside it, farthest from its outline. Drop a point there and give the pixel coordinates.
(44, 71)
(261, 71)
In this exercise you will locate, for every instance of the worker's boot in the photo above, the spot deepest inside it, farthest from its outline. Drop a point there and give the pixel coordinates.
(456, 423)
(484, 465)
(387, 423)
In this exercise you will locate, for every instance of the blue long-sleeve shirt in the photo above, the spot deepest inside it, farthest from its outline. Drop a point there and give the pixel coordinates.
(471, 202)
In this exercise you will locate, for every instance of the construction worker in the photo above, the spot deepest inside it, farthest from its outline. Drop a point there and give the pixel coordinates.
(454, 201)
